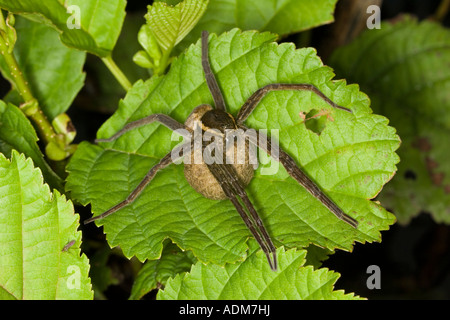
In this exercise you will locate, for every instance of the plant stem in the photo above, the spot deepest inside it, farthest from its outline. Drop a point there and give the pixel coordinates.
(442, 10)
(31, 106)
(118, 74)
(163, 63)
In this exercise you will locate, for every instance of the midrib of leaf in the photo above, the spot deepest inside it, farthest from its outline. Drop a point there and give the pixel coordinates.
(331, 280)
(282, 273)
(331, 189)
(5, 290)
(230, 276)
(92, 16)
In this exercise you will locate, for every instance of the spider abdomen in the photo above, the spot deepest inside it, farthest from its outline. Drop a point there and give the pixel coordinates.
(202, 180)
(236, 153)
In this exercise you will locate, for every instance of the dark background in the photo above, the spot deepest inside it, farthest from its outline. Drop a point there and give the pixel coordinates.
(414, 259)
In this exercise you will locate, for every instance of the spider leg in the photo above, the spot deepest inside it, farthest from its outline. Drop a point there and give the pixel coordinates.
(159, 117)
(295, 172)
(227, 177)
(209, 75)
(256, 97)
(165, 161)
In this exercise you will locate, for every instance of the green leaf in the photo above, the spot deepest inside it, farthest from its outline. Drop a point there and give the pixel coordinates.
(39, 243)
(53, 71)
(102, 274)
(410, 86)
(148, 41)
(281, 16)
(17, 133)
(91, 26)
(351, 159)
(253, 280)
(155, 273)
(151, 56)
(171, 24)
(108, 90)
(166, 27)
(142, 59)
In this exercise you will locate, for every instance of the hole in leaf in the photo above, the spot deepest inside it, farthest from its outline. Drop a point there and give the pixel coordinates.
(410, 175)
(315, 120)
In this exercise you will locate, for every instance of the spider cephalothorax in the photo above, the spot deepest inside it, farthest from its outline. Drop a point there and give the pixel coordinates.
(220, 173)
(218, 119)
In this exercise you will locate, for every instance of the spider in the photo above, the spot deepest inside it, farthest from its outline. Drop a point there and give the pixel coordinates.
(222, 180)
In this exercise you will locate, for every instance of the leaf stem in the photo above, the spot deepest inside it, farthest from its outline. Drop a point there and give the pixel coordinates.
(31, 105)
(118, 74)
(165, 61)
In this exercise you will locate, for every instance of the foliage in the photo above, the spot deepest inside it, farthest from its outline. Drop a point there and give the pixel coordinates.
(188, 242)
(410, 86)
(39, 242)
(54, 89)
(253, 280)
(17, 133)
(166, 26)
(345, 164)
(93, 35)
(280, 17)
(155, 273)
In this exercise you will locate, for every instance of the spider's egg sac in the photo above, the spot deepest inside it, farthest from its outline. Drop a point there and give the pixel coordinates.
(196, 170)
(203, 181)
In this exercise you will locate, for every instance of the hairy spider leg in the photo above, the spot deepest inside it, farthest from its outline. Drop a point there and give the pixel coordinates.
(226, 175)
(159, 117)
(251, 103)
(211, 81)
(295, 172)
